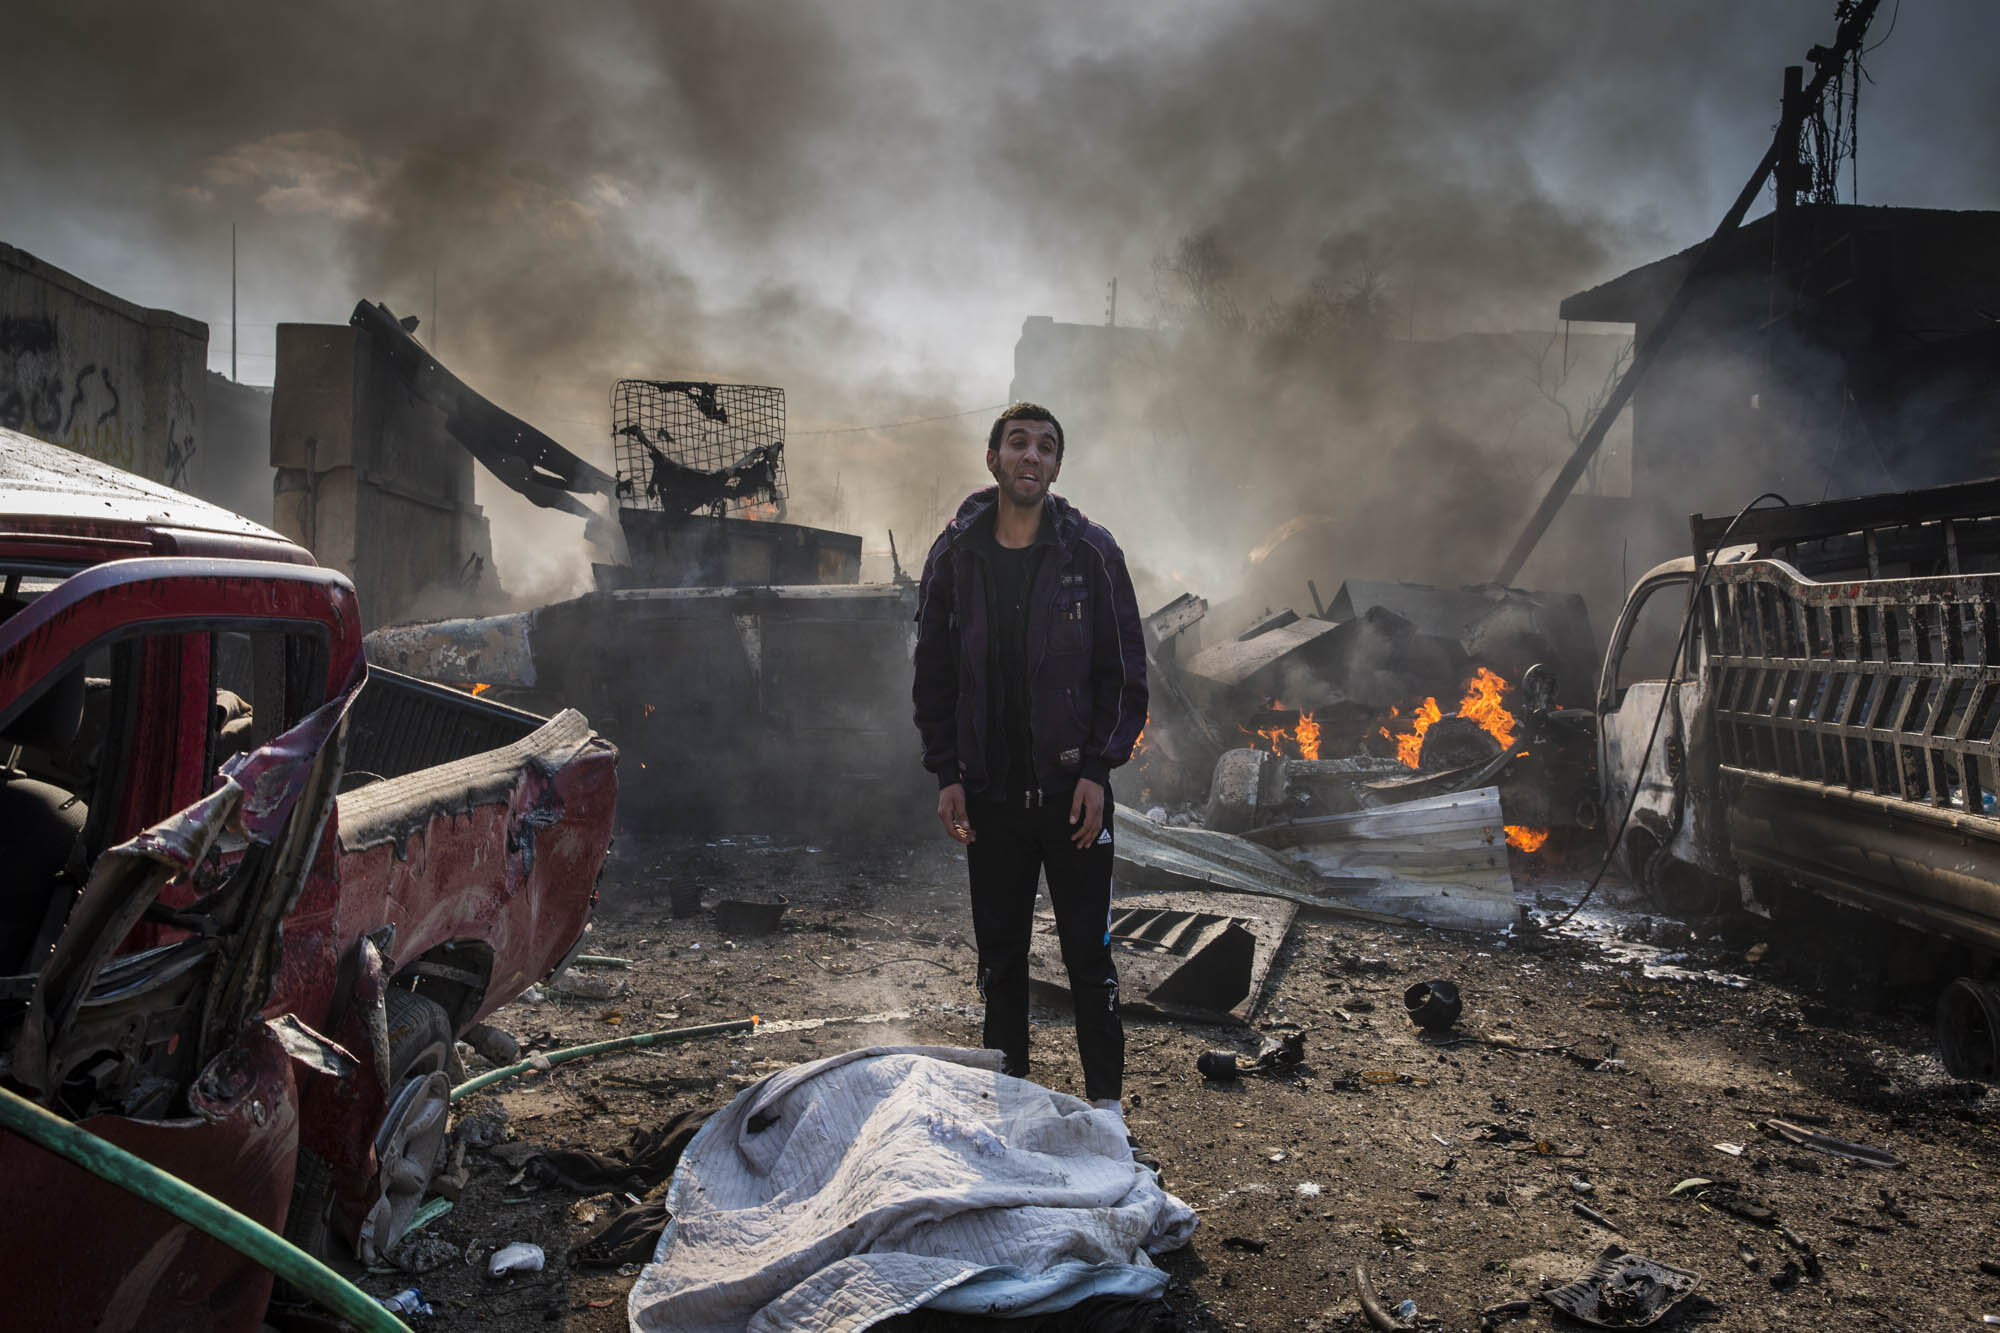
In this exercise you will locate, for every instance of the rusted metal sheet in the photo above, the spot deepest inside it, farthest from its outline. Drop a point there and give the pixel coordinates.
(489, 650)
(1203, 957)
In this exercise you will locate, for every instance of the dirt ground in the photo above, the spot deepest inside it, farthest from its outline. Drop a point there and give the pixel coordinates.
(1457, 1170)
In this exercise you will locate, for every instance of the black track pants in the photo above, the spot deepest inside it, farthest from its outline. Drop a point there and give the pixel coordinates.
(1014, 846)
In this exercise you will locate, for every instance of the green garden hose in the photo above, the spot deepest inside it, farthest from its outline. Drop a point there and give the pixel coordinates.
(545, 1059)
(242, 1234)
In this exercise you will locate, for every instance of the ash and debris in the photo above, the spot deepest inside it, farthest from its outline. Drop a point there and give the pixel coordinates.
(1464, 1169)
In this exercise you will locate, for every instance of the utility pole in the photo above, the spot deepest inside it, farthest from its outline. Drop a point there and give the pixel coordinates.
(1826, 64)
(1111, 305)
(232, 302)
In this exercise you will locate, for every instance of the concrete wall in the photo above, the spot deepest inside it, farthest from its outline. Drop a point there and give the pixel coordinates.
(370, 482)
(236, 447)
(79, 367)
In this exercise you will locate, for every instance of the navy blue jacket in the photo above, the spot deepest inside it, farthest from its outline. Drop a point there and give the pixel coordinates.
(1086, 654)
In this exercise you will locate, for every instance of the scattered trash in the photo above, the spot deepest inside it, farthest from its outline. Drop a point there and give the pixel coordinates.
(1276, 1057)
(422, 1254)
(1282, 1054)
(1724, 1197)
(1623, 1290)
(407, 1301)
(1826, 1143)
(648, 1157)
(519, 1257)
(599, 960)
(1748, 1257)
(626, 1237)
(1433, 1005)
(1406, 1309)
(1310, 1190)
(739, 916)
(1589, 1214)
(1989, 1267)
(427, 1214)
(1371, 1304)
(533, 995)
(579, 986)
(493, 1045)
(1506, 1310)
(1245, 1244)
(1733, 1149)
(1582, 1186)
(1218, 1065)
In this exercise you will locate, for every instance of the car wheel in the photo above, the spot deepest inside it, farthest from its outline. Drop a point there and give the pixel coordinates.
(410, 1143)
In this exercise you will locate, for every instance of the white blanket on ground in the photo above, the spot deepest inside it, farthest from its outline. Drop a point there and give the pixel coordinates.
(835, 1194)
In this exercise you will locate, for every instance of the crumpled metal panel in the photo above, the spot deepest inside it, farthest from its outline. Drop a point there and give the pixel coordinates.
(1203, 957)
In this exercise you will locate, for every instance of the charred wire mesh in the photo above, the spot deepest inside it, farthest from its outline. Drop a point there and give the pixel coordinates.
(688, 446)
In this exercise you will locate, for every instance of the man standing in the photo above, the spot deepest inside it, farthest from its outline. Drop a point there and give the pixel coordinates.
(1030, 688)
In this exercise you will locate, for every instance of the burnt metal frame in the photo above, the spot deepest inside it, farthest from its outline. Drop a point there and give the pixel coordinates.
(1886, 687)
(703, 426)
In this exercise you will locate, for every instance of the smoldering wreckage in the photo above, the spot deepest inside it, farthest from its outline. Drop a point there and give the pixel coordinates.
(307, 1023)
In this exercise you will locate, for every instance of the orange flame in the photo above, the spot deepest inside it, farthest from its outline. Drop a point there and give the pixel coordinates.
(1481, 704)
(1410, 744)
(1524, 839)
(1307, 735)
(1139, 743)
(1302, 739)
(481, 688)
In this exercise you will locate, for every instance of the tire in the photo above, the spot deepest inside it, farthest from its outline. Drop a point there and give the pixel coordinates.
(1968, 1030)
(420, 1036)
(410, 1142)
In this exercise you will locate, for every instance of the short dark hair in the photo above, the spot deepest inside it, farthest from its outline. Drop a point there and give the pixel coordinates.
(1024, 412)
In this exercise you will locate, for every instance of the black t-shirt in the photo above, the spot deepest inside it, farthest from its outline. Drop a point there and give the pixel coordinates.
(1010, 580)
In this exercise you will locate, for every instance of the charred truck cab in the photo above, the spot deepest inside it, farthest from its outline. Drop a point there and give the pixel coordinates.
(1829, 730)
(225, 945)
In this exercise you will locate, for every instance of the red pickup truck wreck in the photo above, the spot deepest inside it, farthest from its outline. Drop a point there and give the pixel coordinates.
(250, 891)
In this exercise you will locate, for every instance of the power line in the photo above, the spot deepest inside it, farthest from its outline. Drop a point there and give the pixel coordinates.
(895, 425)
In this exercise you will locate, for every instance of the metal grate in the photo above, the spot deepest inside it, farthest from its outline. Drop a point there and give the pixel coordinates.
(1887, 687)
(687, 446)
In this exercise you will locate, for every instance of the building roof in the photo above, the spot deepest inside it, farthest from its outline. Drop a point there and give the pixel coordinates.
(1940, 268)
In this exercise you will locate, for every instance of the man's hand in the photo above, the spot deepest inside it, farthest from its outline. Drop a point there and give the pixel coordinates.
(951, 813)
(1086, 812)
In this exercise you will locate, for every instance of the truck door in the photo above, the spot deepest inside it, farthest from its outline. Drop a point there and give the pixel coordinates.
(1639, 671)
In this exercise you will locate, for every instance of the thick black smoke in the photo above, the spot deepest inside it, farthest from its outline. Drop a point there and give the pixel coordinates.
(860, 201)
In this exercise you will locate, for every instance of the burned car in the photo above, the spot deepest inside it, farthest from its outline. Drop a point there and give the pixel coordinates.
(253, 891)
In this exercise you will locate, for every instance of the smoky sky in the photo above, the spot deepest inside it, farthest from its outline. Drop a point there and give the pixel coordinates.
(861, 201)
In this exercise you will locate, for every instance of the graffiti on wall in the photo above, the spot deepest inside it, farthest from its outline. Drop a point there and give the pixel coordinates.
(180, 454)
(82, 409)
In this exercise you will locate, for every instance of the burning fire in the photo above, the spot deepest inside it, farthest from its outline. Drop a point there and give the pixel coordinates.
(1481, 704)
(1410, 745)
(1303, 738)
(481, 688)
(1524, 839)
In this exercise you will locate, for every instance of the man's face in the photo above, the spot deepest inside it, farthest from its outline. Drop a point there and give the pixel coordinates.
(1026, 463)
